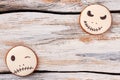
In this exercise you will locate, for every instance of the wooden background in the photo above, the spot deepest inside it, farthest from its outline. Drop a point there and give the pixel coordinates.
(65, 51)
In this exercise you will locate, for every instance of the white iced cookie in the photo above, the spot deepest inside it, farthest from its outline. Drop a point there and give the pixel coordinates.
(21, 60)
(95, 19)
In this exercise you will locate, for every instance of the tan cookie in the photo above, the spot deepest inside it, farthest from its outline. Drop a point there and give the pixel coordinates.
(21, 60)
(95, 19)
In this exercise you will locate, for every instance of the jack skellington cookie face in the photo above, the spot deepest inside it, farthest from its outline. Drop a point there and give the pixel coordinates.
(95, 19)
(21, 60)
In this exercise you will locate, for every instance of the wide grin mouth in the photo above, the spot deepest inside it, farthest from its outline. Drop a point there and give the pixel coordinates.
(22, 69)
(92, 29)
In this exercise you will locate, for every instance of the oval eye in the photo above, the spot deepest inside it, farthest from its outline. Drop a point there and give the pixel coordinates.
(103, 18)
(90, 14)
(13, 58)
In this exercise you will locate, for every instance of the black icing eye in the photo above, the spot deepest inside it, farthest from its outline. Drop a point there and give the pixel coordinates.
(13, 58)
(103, 18)
(90, 14)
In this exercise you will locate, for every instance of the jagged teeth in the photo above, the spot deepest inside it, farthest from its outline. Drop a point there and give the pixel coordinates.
(92, 29)
(22, 69)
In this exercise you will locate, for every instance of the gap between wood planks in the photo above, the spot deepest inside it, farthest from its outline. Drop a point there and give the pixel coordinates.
(45, 71)
(50, 12)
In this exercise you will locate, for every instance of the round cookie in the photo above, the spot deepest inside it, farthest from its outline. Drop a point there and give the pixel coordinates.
(95, 19)
(21, 60)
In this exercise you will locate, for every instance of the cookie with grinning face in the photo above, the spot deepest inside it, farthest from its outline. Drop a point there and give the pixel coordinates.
(21, 60)
(95, 19)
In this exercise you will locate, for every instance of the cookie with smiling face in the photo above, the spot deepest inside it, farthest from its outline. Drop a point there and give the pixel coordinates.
(21, 60)
(95, 19)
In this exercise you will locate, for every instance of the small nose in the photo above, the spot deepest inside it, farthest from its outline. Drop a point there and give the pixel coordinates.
(93, 22)
(20, 65)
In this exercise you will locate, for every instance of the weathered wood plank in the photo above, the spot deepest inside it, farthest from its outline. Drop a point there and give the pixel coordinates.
(60, 43)
(55, 5)
(61, 76)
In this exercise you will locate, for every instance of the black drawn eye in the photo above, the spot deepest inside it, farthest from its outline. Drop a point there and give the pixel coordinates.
(27, 56)
(103, 18)
(90, 14)
(13, 58)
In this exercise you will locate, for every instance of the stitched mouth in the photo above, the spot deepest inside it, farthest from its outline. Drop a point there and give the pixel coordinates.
(22, 69)
(92, 29)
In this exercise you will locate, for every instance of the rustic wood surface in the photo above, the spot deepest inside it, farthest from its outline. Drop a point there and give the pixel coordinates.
(61, 76)
(60, 43)
(55, 5)
(64, 50)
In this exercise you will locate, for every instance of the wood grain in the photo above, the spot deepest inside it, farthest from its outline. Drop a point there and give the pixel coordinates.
(60, 43)
(61, 76)
(55, 5)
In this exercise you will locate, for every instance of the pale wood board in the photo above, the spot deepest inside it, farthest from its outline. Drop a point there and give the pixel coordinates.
(60, 43)
(61, 76)
(55, 5)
